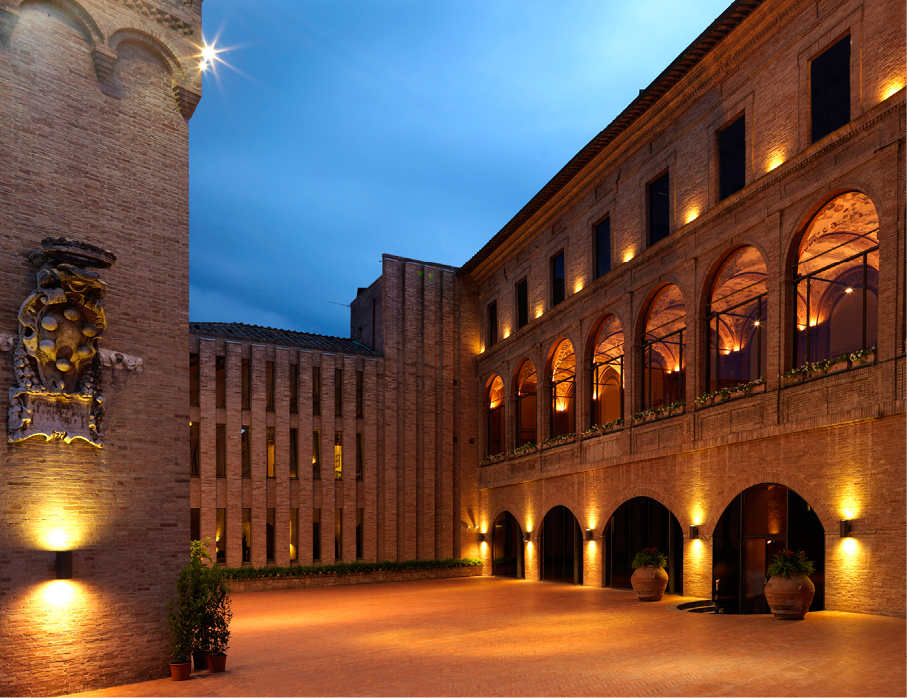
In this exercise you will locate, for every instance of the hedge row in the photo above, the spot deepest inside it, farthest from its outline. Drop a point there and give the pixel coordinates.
(239, 573)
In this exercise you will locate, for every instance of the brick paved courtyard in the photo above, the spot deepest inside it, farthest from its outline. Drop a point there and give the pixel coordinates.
(486, 636)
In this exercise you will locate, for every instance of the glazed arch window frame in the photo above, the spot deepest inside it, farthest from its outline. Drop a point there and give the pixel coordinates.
(525, 398)
(562, 381)
(652, 338)
(494, 415)
(608, 344)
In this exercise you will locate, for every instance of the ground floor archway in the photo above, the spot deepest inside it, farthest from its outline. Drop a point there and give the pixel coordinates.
(758, 523)
(642, 522)
(561, 547)
(507, 547)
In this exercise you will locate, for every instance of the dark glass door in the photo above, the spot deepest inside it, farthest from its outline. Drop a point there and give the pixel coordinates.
(562, 547)
(507, 544)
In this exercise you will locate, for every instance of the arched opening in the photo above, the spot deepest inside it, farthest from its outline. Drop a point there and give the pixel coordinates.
(608, 372)
(736, 316)
(494, 401)
(561, 544)
(760, 522)
(526, 406)
(662, 350)
(563, 383)
(836, 281)
(642, 522)
(507, 547)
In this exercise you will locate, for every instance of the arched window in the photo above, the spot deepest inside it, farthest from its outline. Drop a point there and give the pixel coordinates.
(563, 381)
(836, 281)
(608, 372)
(737, 321)
(494, 396)
(526, 432)
(662, 350)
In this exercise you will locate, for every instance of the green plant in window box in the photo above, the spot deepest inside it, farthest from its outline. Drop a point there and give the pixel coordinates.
(789, 590)
(649, 579)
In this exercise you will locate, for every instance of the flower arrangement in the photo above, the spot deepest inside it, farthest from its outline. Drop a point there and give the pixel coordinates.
(725, 393)
(808, 369)
(596, 428)
(649, 556)
(656, 412)
(558, 439)
(789, 564)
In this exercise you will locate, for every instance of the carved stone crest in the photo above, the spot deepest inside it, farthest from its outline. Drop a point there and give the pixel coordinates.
(56, 359)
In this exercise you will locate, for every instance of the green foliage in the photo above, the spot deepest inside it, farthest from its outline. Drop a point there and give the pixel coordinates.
(558, 439)
(789, 564)
(649, 556)
(183, 617)
(243, 573)
(725, 393)
(658, 411)
(596, 428)
(213, 634)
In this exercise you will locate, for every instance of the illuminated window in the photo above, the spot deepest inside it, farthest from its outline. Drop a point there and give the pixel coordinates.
(316, 534)
(563, 383)
(294, 388)
(294, 453)
(316, 390)
(269, 536)
(294, 535)
(359, 532)
(659, 206)
(338, 534)
(220, 391)
(737, 315)
(194, 451)
(193, 379)
(221, 450)
(608, 372)
(829, 81)
(732, 158)
(360, 455)
(558, 279)
(247, 535)
(662, 350)
(269, 386)
(338, 455)
(316, 455)
(526, 405)
(270, 450)
(522, 303)
(246, 384)
(338, 392)
(494, 401)
(603, 248)
(360, 389)
(492, 324)
(220, 537)
(836, 281)
(246, 437)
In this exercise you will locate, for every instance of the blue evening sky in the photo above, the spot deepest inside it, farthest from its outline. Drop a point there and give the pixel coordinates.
(418, 128)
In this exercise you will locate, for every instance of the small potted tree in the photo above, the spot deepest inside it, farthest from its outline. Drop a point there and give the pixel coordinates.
(183, 620)
(649, 578)
(214, 628)
(790, 590)
(199, 567)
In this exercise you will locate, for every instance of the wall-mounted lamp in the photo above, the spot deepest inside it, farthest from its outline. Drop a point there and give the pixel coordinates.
(845, 528)
(588, 534)
(64, 564)
(481, 537)
(694, 531)
(527, 537)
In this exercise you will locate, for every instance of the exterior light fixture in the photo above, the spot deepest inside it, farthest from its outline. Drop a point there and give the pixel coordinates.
(64, 564)
(588, 534)
(694, 531)
(527, 537)
(848, 290)
(481, 537)
(756, 323)
(845, 528)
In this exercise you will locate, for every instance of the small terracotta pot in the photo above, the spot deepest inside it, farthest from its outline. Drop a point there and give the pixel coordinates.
(217, 663)
(180, 671)
(200, 660)
(649, 583)
(789, 598)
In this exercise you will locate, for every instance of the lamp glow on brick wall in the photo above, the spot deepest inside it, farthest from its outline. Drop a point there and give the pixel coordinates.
(845, 528)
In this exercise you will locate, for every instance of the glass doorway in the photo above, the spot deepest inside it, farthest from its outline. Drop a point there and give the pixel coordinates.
(561, 546)
(507, 547)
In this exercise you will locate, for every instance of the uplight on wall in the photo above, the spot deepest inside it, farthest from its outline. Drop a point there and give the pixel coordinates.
(845, 527)
(481, 537)
(589, 534)
(527, 537)
(64, 564)
(892, 88)
(692, 215)
(628, 255)
(694, 531)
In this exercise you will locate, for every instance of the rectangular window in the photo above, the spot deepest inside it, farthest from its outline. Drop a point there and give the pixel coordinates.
(294, 453)
(221, 450)
(829, 82)
(194, 451)
(247, 535)
(316, 390)
(522, 303)
(338, 392)
(193, 379)
(316, 455)
(316, 534)
(269, 386)
(659, 209)
(270, 441)
(558, 279)
(220, 388)
(492, 324)
(338, 456)
(269, 536)
(359, 519)
(246, 379)
(603, 248)
(359, 394)
(294, 388)
(732, 158)
(294, 535)
(246, 452)
(195, 523)
(338, 534)
(360, 455)
(220, 536)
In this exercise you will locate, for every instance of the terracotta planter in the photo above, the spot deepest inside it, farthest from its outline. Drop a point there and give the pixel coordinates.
(865, 361)
(180, 671)
(756, 389)
(789, 599)
(839, 366)
(649, 583)
(217, 663)
(200, 660)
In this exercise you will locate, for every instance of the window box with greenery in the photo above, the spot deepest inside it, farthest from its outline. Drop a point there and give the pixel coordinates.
(606, 428)
(523, 450)
(753, 387)
(655, 413)
(493, 458)
(649, 579)
(558, 440)
(790, 591)
(856, 359)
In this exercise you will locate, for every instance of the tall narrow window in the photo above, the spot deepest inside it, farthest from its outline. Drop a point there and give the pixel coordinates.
(338, 392)
(659, 209)
(359, 523)
(220, 367)
(269, 386)
(193, 379)
(563, 384)
(829, 83)
(522, 303)
(294, 388)
(603, 248)
(316, 455)
(608, 372)
(359, 456)
(294, 535)
(526, 405)
(316, 534)
(492, 324)
(220, 536)
(195, 523)
(494, 400)
(221, 450)
(270, 450)
(194, 450)
(246, 380)
(247, 535)
(732, 158)
(246, 437)
(338, 455)
(316, 390)
(269, 536)
(558, 279)
(360, 397)
(294, 453)
(338, 534)
(662, 350)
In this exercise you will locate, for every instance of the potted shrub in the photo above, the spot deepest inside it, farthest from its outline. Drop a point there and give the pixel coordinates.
(214, 622)
(183, 621)
(790, 590)
(649, 579)
(199, 559)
